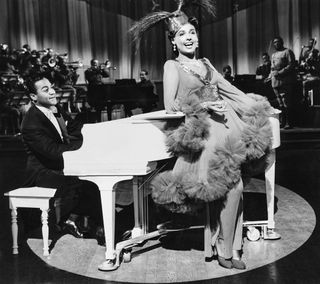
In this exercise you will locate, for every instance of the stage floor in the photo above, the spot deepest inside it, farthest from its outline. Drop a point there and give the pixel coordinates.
(182, 259)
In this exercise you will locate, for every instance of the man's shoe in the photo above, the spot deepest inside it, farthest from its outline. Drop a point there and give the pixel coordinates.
(84, 225)
(71, 228)
(226, 263)
(100, 236)
(238, 264)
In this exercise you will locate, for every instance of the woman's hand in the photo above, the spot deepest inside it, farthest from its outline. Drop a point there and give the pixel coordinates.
(217, 106)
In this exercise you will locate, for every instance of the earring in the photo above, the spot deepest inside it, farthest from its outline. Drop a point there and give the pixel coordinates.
(174, 47)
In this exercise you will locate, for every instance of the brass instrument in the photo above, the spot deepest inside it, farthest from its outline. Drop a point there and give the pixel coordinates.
(52, 61)
(75, 64)
(4, 46)
(107, 65)
(303, 62)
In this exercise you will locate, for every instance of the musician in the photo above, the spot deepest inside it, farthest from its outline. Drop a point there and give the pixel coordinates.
(308, 53)
(47, 132)
(25, 58)
(283, 78)
(10, 115)
(145, 82)
(49, 62)
(227, 71)
(65, 78)
(310, 66)
(37, 67)
(264, 69)
(49, 55)
(95, 74)
(263, 80)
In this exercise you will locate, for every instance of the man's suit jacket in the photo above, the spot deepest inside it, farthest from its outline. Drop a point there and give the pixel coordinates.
(43, 143)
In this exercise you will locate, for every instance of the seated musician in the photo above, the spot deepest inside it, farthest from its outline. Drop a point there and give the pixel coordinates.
(226, 70)
(310, 66)
(65, 79)
(263, 80)
(9, 115)
(145, 82)
(47, 132)
(264, 69)
(306, 52)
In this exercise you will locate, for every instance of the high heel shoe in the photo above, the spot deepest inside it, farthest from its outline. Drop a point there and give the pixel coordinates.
(226, 263)
(238, 264)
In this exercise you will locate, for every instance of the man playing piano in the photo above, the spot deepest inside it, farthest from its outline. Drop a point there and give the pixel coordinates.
(47, 132)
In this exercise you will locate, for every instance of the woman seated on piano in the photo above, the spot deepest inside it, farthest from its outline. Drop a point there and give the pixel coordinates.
(224, 131)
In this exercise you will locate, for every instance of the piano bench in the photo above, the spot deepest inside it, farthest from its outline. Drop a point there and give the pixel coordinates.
(30, 197)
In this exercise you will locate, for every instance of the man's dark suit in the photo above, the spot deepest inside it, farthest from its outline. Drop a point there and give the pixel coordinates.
(44, 147)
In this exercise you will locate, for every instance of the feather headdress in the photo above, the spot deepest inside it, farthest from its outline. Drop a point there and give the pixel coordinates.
(174, 20)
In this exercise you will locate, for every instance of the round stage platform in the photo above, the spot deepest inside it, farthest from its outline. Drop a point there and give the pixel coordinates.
(183, 260)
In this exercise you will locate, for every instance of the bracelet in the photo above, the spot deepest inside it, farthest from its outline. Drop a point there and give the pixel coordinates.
(204, 105)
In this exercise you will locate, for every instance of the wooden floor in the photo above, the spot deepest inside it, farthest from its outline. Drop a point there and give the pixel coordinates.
(297, 169)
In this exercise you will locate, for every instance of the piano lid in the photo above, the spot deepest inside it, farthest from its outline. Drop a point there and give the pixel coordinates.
(119, 147)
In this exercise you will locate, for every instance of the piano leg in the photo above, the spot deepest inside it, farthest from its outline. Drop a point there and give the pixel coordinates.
(137, 230)
(270, 234)
(140, 208)
(107, 193)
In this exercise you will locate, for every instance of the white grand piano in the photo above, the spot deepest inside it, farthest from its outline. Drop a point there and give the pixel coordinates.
(128, 149)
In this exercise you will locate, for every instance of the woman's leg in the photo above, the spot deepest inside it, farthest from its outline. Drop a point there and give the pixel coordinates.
(230, 235)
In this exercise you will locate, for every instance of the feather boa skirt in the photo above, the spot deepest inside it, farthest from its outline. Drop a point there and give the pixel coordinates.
(185, 192)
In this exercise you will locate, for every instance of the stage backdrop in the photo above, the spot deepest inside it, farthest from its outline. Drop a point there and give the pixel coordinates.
(242, 30)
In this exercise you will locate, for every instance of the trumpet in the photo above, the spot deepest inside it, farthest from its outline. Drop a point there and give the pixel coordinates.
(107, 65)
(52, 61)
(74, 64)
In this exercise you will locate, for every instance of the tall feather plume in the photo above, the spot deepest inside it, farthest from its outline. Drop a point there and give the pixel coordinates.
(206, 5)
(180, 4)
(153, 18)
(147, 22)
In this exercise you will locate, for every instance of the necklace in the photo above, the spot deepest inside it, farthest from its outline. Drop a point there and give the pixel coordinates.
(211, 90)
(188, 70)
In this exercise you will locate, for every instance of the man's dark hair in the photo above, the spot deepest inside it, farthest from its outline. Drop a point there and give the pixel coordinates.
(227, 67)
(145, 71)
(278, 38)
(92, 60)
(31, 82)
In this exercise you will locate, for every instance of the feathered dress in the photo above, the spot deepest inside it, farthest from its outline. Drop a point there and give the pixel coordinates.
(213, 149)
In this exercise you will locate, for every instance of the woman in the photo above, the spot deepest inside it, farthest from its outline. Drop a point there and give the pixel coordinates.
(224, 131)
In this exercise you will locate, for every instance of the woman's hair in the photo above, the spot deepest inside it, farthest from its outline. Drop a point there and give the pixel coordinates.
(192, 20)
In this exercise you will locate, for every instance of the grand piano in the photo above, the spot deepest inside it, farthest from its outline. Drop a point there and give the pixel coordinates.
(128, 149)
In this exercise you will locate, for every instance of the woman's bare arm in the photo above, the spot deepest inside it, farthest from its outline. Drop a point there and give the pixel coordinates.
(170, 86)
